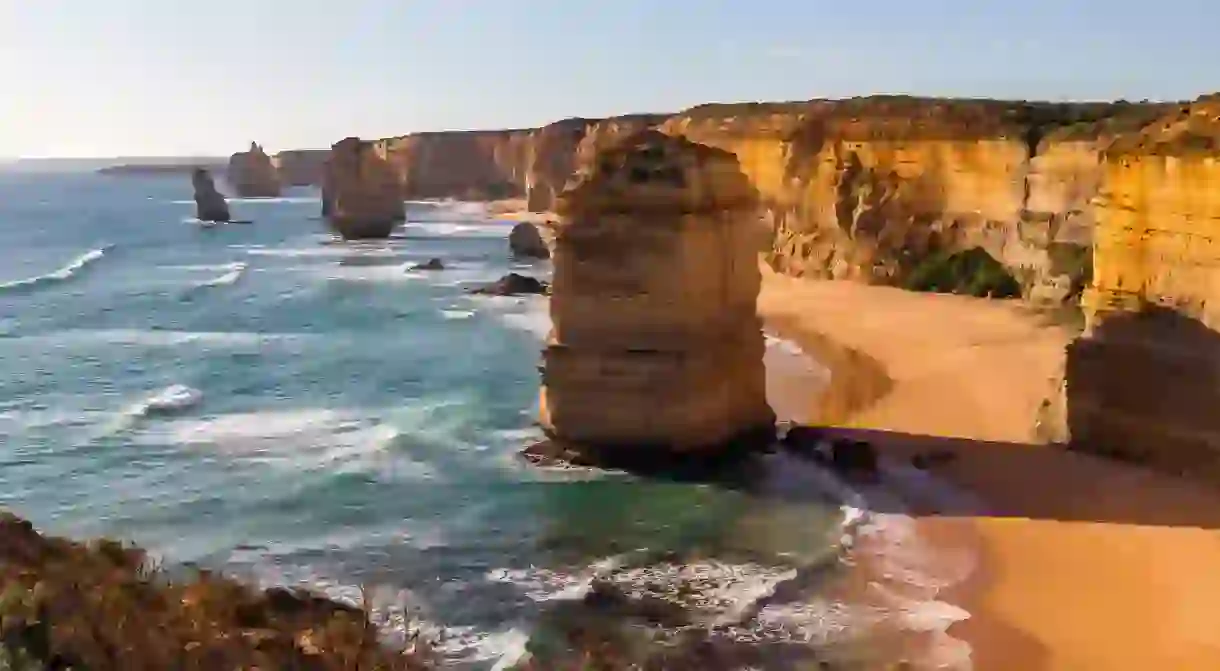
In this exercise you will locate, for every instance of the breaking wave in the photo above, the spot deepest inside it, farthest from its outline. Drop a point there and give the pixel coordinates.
(64, 273)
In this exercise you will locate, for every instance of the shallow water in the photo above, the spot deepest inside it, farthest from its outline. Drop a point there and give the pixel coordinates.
(260, 399)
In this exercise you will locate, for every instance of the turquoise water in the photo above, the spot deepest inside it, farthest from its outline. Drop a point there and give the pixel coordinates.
(263, 400)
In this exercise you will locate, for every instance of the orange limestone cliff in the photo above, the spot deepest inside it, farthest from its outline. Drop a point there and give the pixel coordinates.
(301, 167)
(252, 174)
(1143, 383)
(470, 165)
(362, 196)
(655, 340)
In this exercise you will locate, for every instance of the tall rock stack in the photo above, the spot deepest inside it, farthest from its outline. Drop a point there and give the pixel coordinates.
(656, 341)
(210, 205)
(361, 193)
(253, 174)
(1143, 383)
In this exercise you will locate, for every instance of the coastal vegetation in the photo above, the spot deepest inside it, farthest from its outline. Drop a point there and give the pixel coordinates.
(104, 606)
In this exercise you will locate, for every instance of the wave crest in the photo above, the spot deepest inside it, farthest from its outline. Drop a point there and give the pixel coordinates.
(65, 272)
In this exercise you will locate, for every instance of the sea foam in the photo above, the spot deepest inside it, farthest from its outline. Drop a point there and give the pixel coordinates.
(66, 272)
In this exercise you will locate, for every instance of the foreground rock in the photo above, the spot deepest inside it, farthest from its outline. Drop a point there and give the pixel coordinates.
(513, 284)
(656, 343)
(361, 195)
(100, 607)
(1143, 384)
(526, 241)
(253, 174)
(210, 205)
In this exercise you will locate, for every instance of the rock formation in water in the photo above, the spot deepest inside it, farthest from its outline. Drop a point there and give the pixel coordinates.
(525, 241)
(655, 340)
(362, 194)
(1143, 383)
(210, 205)
(252, 174)
(300, 167)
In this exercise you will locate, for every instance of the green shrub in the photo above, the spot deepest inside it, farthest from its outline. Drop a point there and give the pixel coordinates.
(972, 272)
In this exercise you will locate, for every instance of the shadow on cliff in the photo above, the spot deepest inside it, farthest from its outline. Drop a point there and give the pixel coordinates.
(1141, 389)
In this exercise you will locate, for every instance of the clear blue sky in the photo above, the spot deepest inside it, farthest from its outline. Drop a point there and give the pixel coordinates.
(140, 77)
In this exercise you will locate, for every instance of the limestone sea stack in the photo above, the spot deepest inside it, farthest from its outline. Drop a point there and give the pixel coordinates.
(209, 204)
(361, 192)
(252, 174)
(656, 343)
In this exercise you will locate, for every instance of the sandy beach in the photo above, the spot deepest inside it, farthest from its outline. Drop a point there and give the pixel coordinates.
(1083, 563)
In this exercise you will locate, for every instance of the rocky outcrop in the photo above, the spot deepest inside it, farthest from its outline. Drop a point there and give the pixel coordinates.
(362, 196)
(1143, 383)
(252, 174)
(655, 340)
(525, 241)
(513, 284)
(210, 205)
(301, 167)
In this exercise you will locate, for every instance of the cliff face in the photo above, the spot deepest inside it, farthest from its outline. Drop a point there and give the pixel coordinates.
(656, 342)
(463, 164)
(301, 167)
(871, 189)
(252, 174)
(1144, 381)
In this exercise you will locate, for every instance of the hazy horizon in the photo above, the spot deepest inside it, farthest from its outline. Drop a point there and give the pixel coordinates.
(142, 78)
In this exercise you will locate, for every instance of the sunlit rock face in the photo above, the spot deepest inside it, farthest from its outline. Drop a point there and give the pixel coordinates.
(253, 174)
(210, 205)
(301, 167)
(656, 342)
(362, 196)
(1143, 383)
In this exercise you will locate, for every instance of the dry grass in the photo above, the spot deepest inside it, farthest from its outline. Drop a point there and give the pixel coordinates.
(102, 607)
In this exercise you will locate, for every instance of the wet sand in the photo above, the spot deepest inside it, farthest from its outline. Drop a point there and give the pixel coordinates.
(1083, 563)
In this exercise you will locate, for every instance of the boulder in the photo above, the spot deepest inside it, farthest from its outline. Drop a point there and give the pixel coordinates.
(430, 264)
(513, 284)
(854, 459)
(526, 241)
(362, 194)
(253, 174)
(210, 205)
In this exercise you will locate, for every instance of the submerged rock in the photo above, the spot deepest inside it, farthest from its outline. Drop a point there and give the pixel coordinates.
(210, 205)
(513, 284)
(526, 241)
(430, 264)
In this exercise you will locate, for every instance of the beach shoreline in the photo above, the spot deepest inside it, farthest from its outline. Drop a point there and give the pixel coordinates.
(1079, 563)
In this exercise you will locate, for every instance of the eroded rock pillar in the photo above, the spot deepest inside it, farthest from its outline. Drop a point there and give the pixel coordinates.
(656, 341)
(361, 192)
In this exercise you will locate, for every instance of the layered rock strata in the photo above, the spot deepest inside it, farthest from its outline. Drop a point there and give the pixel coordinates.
(655, 340)
(1143, 383)
(210, 205)
(362, 196)
(252, 174)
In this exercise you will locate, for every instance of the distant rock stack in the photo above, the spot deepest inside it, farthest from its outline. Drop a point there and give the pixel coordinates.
(252, 174)
(209, 204)
(362, 194)
(656, 342)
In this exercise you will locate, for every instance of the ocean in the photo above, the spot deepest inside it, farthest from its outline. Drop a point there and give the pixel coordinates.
(266, 401)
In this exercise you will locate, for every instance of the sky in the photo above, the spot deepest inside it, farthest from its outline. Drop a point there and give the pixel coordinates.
(86, 78)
